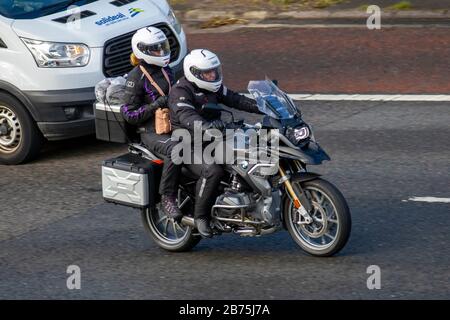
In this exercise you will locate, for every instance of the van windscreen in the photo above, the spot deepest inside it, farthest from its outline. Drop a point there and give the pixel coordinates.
(23, 9)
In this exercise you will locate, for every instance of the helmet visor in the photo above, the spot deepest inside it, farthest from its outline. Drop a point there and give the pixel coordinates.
(208, 75)
(160, 49)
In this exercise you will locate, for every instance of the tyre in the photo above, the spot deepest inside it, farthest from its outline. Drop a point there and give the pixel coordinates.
(20, 139)
(331, 226)
(167, 233)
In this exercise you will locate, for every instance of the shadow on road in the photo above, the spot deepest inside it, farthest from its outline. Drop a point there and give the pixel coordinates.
(87, 146)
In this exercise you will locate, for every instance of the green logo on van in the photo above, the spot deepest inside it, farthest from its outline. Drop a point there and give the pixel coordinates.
(135, 11)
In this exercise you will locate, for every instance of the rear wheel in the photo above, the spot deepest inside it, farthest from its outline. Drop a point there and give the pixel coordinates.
(167, 233)
(330, 229)
(20, 139)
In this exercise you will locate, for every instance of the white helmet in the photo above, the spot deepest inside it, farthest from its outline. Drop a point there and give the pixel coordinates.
(203, 68)
(151, 45)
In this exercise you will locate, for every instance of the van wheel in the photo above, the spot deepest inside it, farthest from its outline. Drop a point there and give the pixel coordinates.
(20, 139)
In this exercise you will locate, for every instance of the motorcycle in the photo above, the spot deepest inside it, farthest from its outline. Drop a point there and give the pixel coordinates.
(255, 198)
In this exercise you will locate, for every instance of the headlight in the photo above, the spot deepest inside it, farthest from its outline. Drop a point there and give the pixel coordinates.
(58, 55)
(174, 21)
(298, 134)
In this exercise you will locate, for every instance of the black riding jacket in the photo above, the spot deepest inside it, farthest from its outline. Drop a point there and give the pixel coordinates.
(140, 95)
(186, 100)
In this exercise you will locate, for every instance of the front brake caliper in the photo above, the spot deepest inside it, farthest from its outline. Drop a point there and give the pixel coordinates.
(303, 216)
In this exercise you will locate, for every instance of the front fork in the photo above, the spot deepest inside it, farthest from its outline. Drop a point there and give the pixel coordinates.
(298, 197)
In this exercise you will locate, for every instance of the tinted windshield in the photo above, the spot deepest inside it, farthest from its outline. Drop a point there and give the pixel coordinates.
(271, 100)
(24, 9)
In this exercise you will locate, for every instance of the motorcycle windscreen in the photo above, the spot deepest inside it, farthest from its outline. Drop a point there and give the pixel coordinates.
(271, 100)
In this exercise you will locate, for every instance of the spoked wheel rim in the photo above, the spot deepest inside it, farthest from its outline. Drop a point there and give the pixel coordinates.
(166, 229)
(323, 232)
(10, 130)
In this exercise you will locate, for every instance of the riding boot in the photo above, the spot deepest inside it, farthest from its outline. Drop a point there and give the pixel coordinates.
(203, 227)
(170, 207)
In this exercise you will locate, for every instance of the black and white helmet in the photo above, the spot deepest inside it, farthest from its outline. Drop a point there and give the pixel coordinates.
(203, 68)
(151, 45)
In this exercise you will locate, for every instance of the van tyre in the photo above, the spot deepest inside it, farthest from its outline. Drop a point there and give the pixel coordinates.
(20, 139)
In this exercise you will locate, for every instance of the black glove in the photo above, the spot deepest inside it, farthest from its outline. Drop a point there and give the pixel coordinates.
(161, 102)
(250, 105)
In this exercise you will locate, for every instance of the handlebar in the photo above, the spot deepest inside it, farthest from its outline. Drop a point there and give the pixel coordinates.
(242, 125)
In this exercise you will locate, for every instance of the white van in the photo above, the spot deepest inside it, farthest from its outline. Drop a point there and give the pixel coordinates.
(53, 52)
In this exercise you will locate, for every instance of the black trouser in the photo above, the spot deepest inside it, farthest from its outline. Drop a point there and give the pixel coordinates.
(161, 144)
(207, 187)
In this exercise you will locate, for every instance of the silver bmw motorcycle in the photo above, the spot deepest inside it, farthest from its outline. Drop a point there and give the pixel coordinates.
(267, 187)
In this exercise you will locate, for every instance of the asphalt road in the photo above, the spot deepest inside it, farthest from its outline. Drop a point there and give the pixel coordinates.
(334, 60)
(52, 216)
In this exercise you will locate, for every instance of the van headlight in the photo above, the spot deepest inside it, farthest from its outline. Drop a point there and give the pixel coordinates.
(174, 21)
(58, 55)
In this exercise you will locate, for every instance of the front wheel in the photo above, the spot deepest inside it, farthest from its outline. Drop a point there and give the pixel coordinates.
(330, 229)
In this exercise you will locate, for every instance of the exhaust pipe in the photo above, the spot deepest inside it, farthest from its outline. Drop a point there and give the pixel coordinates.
(188, 221)
(244, 232)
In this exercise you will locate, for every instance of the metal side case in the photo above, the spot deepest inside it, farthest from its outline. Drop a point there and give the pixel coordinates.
(131, 180)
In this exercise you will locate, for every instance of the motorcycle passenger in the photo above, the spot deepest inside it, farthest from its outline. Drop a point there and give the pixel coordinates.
(201, 84)
(143, 97)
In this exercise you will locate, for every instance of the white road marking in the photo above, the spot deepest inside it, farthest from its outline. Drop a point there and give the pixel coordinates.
(369, 97)
(442, 24)
(429, 199)
(230, 28)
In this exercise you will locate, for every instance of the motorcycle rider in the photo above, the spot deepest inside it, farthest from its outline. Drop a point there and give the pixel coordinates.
(152, 52)
(201, 84)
